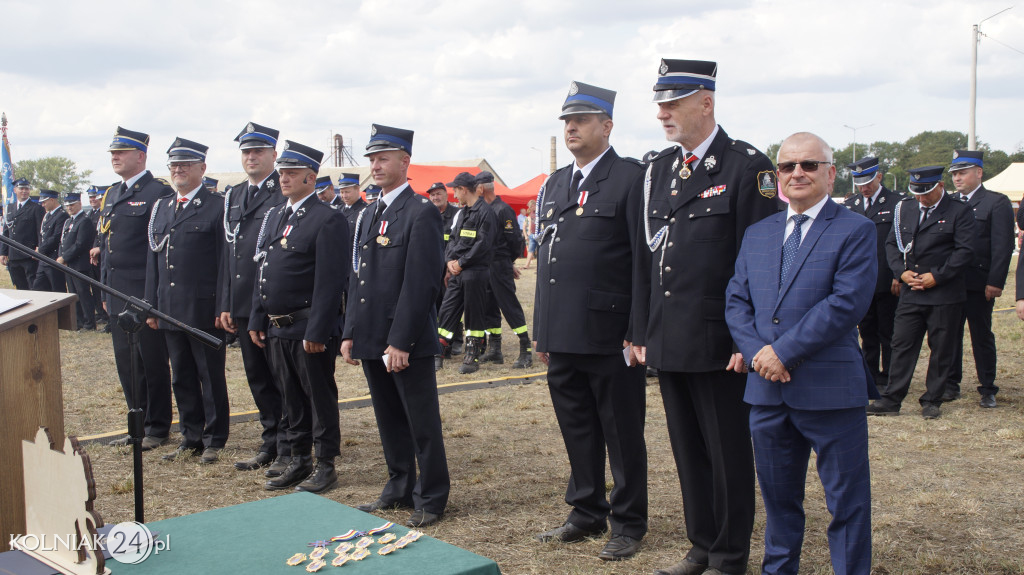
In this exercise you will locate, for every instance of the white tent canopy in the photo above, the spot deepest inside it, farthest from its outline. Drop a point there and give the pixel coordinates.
(1009, 182)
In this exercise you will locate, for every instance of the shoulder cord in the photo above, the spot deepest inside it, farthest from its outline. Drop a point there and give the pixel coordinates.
(153, 244)
(660, 238)
(355, 240)
(229, 234)
(260, 254)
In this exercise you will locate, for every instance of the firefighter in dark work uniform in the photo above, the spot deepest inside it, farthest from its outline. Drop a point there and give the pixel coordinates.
(438, 195)
(468, 258)
(502, 300)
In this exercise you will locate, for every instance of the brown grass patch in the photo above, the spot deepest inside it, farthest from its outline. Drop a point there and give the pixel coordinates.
(948, 494)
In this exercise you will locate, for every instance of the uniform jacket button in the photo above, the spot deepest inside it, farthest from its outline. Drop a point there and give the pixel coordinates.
(667, 269)
(363, 300)
(668, 294)
(238, 276)
(552, 282)
(553, 260)
(672, 220)
(775, 320)
(561, 219)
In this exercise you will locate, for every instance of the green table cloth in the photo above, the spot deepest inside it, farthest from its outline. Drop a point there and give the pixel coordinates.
(260, 536)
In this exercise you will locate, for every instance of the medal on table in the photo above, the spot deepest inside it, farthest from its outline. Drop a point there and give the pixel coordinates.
(583, 199)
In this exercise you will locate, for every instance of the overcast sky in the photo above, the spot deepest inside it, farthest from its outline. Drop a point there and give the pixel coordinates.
(487, 79)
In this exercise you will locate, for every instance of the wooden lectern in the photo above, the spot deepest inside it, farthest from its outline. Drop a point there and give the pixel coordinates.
(30, 390)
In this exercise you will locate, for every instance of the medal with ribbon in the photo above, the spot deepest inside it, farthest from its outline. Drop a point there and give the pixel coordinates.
(381, 238)
(284, 239)
(685, 171)
(583, 199)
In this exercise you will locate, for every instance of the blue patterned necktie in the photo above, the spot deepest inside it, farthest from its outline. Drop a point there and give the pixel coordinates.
(791, 246)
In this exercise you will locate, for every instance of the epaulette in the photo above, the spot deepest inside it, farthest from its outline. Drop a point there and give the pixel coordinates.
(744, 149)
(634, 161)
(666, 153)
(163, 181)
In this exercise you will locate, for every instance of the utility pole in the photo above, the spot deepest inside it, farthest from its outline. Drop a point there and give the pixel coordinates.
(972, 140)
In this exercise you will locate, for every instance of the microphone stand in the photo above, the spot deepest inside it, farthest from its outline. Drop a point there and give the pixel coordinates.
(131, 320)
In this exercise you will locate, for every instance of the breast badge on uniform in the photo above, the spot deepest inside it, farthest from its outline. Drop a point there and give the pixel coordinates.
(881, 200)
(710, 162)
(712, 191)
(766, 183)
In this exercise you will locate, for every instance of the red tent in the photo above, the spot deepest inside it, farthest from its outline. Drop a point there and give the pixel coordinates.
(421, 177)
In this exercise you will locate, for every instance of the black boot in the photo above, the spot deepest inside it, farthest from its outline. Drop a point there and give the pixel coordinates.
(525, 358)
(471, 362)
(457, 339)
(299, 469)
(493, 354)
(323, 478)
(438, 362)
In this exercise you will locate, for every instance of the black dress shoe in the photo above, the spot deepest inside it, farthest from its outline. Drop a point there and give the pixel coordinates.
(278, 466)
(260, 460)
(930, 411)
(877, 408)
(685, 567)
(619, 547)
(438, 362)
(381, 504)
(422, 518)
(323, 478)
(988, 401)
(950, 396)
(183, 451)
(569, 533)
(149, 442)
(210, 455)
(299, 469)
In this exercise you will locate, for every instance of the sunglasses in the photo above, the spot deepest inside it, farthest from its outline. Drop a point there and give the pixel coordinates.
(806, 165)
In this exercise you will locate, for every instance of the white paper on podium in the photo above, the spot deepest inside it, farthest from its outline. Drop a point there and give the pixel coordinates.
(9, 303)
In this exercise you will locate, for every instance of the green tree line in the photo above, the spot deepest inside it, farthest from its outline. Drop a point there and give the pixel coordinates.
(53, 173)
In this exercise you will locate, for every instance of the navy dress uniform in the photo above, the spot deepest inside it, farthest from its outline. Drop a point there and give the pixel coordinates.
(502, 300)
(472, 246)
(49, 278)
(391, 304)
(124, 222)
(697, 205)
(22, 222)
(993, 248)
(186, 237)
(351, 212)
(876, 326)
(96, 192)
(936, 240)
(304, 249)
(76, 239)
(581, 319)
(324, 183)
(245, 207)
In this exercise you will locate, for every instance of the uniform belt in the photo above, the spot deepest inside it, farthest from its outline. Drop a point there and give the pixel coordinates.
(280, 321)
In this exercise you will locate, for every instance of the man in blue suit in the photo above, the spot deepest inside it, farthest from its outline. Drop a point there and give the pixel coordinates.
(803, 280)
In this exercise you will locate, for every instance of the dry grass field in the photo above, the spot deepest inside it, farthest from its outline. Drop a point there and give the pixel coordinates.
(948, 494)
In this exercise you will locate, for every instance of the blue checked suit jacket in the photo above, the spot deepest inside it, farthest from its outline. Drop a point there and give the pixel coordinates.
(811, 321)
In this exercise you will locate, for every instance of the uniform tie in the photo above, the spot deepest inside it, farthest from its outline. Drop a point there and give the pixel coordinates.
(381, 206)
(575, 186)
(963, 198)
(792, 244)
(924, 214)
(867, 204)
(180, 205)
(284, 220)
